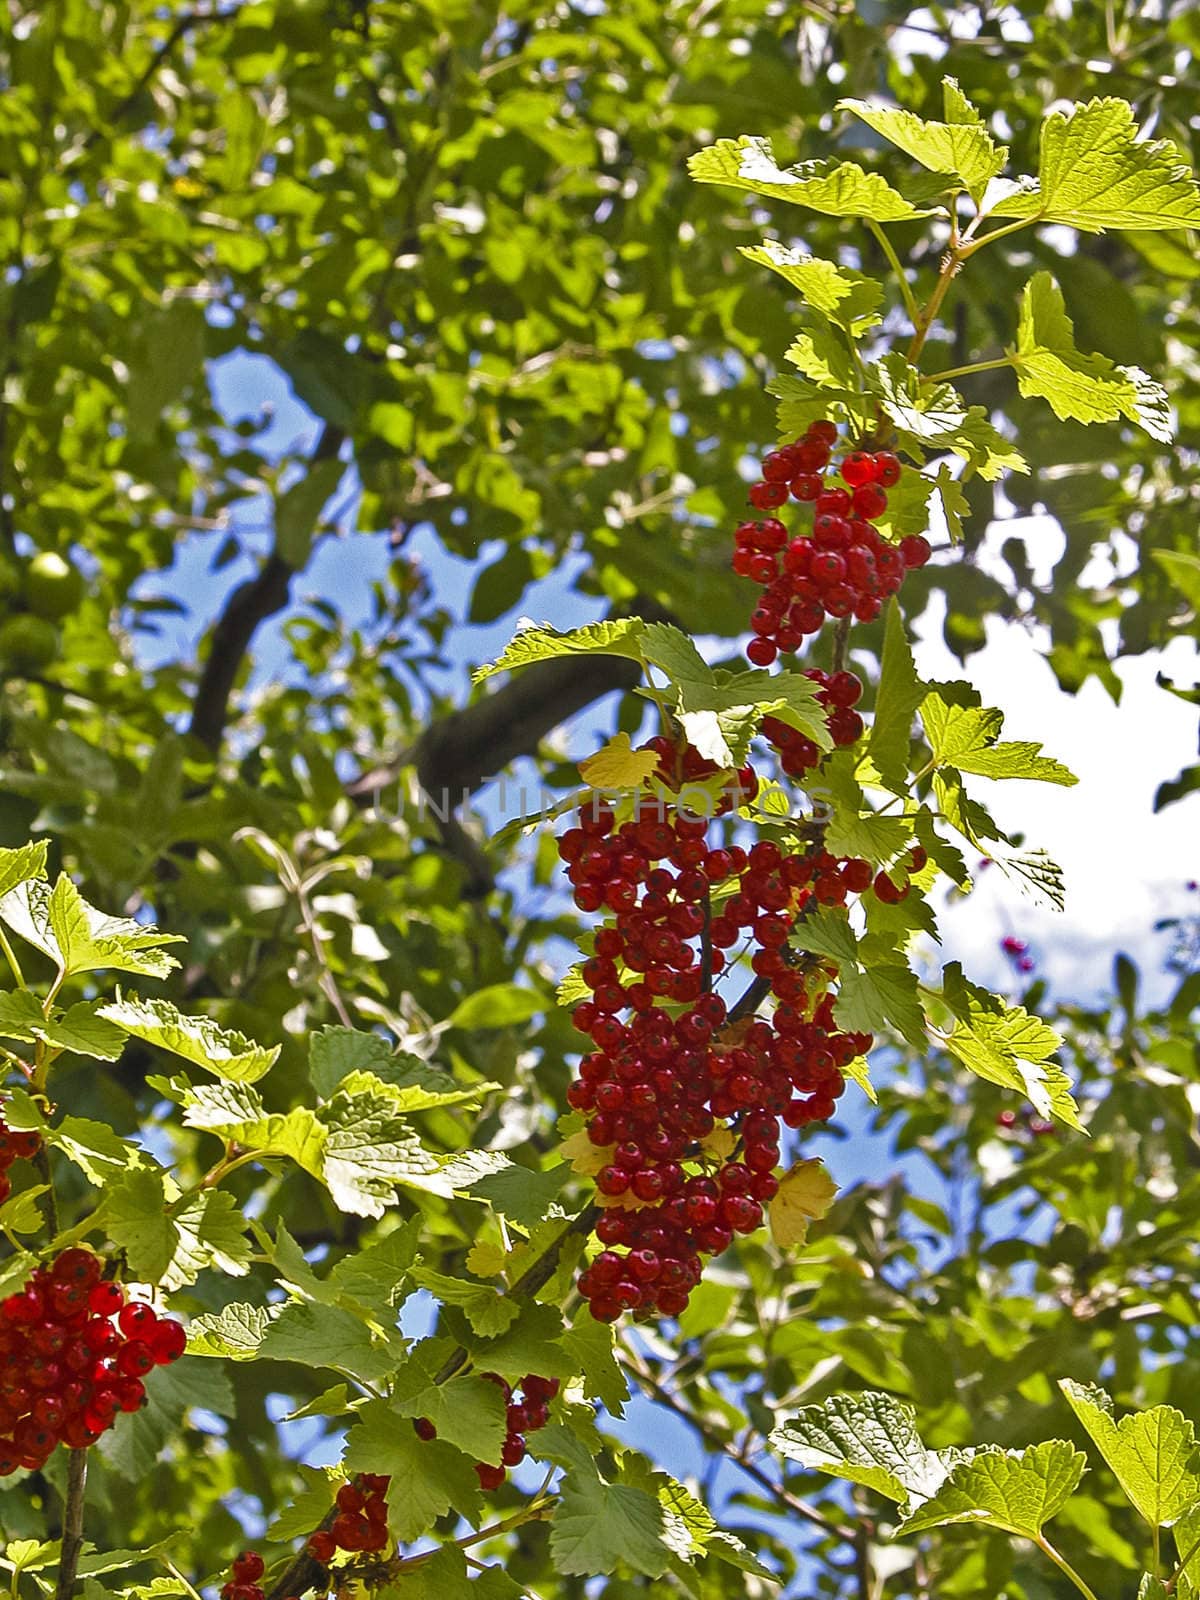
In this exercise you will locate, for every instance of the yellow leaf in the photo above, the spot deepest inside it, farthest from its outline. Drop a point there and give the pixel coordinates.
(619, 766)
(585, 1157)
(486, 1260)
(720, 1142)
(806, 1193)
(189, 188)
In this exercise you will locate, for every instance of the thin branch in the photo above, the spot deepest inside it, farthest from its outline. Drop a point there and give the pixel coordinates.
(182, 27)
(835, 1530)
(72, 1534)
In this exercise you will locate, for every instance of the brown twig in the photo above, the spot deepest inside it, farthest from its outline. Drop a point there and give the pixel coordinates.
(72, 1534)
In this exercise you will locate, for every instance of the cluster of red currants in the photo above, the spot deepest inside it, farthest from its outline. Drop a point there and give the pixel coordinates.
(73, 1353)
(655, 1086)
(838, 693)
(16, 1144)
(243, 1584)
(361, 1522)
(845, 567)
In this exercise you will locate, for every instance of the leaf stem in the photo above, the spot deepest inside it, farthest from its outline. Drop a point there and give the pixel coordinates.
(885, 244)
(72, 1536)
(1193, 1548)
(973, 366)
(10, 956)
(1064, 1566)
(969, 246)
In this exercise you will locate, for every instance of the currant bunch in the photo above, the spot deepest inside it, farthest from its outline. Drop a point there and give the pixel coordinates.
(243, 1584)
(655, 1085)
(845, 567)
(16, 1144)
(73, 1353)
(361, 1523)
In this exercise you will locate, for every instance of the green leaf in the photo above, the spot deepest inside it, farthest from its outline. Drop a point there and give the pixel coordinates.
(854, 829)
(899, 696)
(589, 1345)
(375, 1277)
(619, 638)
(933, 415)
(1183, 570)
(837, 188)
(1095, 173)
(820, 353)
(335, 1052)
(965, 149)
(523, 1196)
(845, 297)
(298, 509)
(221, 1051)
(871, 1439)
(172, 1247)
(429, 1477)
(1186, 1533)
(1017, 1491)
(77, 937)
(79, 1030)
(500, 1005)
(828, 933)
(1086, 388)
(21, 1212)
(467, 1411)
(233, 1334)
(881, 994)
(1007, 1046)
(134, 1444)
(965, 737)
(1152, 1453)
(529, 1345)
(485, 1307)
(306, 1507)
(19, 865)
(599, 1526)
(324, 1336)
(955, 505)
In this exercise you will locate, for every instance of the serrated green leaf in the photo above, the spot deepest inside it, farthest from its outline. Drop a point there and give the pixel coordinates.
(335, 1052)
(965, 737)
(882, 994)
(599, 1526)
(79, 1030)
(529, 1345)
(871, 1439)
(467, 1411)
(845, 297)
(1007, 1046)
(820, 353)
(1086, 388)
(1017, 1491)
(173, 1244)
(854, 829)
(223, 1052)
(955, 505)
(324, 1336)
(899, 696)
(233, 1334)
(134, 1443)
(429, 1477)
(375, 1277)
(21, 1212)
(589, 1345)
(1152, 1453)
(79, 938)
(929, 414)
(19, 865)
(965, 149)
(523, 1196)
(618, 638)
(1095, 173)
(828, 933)
(836, 188)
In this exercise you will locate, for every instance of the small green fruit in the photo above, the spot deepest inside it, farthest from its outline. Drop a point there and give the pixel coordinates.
(53, 587)
(27, 644)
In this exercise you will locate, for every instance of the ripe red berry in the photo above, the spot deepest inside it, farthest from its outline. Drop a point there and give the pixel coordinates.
(322, 1546)
(858, 468)
(249, 1566)
(915, 550)
(887, 468)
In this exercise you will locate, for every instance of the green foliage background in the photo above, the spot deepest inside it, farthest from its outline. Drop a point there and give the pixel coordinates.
(468, 238)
